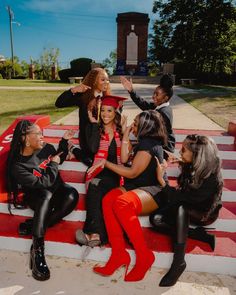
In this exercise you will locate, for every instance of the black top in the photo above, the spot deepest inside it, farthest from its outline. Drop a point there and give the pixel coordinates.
(68, 99)
(166, 113)
(38, 171)
(200, 199)
(148, 176)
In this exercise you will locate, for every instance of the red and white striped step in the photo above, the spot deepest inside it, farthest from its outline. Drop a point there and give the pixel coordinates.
(60, 239)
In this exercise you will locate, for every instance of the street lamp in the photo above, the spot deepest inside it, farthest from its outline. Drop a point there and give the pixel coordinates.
(11, 17)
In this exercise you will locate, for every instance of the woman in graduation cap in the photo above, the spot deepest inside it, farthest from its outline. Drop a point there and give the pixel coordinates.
(86, 96)
(122, 205)
(103, 138)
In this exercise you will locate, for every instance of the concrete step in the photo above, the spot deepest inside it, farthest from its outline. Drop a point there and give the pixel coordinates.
(60, 239)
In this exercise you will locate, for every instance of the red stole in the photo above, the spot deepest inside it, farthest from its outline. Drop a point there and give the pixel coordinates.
(102, 153)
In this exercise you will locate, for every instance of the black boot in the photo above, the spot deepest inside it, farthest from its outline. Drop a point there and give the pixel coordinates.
(38, 264)
(25, 228)
(177, 267)
(199, 233)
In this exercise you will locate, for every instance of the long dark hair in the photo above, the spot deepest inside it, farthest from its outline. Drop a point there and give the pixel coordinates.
(17, 145)
(117, 122)
(205, 162)
(151, 124)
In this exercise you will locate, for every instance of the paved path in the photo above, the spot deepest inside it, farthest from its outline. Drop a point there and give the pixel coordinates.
(185, 115)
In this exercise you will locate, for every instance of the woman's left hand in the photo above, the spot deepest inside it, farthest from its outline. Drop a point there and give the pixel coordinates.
(101, 164)
(161, 169)
(69, 134)
(123, 123)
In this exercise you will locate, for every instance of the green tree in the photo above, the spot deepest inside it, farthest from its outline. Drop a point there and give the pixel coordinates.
(110, 62)
(43, 65)
(200, 32)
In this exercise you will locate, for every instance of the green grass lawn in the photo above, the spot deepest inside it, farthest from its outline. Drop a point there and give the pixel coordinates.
(217, 103)
(16, 103)
(26, 82)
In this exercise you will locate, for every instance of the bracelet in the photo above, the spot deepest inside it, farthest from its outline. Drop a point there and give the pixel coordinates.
(124, 141)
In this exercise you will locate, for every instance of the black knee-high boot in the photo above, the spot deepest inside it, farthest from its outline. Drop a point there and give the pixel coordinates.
(199, 233)
(178, 265)
(38, 263)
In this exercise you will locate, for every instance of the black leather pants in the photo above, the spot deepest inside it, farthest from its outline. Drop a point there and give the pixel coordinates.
(49, 208)
(94, 222)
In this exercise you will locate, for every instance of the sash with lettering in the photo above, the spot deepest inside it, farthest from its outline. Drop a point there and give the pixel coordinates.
(102, 154)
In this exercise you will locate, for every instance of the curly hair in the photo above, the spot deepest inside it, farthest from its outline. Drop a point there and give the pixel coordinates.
(151, 124)
(17, 145)
(166, 84)
(91, 80)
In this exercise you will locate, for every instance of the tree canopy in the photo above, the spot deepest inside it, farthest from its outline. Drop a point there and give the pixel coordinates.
(199, 32)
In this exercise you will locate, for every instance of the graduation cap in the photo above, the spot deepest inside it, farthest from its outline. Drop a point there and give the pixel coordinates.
(111, 100)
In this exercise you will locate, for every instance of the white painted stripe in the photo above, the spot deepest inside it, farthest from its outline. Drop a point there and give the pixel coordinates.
(73, 166)
(229, 196)
(224, 155)
(171, 171)
(226, 225)
(179, 137)
(226, 173)
(212, 264)
(217, 139)
(57, 133)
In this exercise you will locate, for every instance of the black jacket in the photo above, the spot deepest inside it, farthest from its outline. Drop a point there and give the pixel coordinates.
(38, 171)
(68, 99)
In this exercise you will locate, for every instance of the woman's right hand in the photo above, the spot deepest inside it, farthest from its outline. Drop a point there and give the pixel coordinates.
(81, 88)
(56, 158)
(101, 164)
(127, 84)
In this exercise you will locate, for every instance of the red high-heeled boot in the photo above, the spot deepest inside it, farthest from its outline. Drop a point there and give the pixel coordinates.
(119, 257)
(127, 208)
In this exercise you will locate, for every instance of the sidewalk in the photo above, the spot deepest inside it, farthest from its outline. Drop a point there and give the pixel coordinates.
(185, 115)
(74, 277)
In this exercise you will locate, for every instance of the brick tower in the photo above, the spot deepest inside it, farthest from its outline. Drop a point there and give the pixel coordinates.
(132, 38)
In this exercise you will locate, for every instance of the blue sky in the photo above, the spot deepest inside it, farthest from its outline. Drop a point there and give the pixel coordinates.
(79, 28)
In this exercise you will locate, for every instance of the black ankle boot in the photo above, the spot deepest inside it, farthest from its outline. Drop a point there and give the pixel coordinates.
(38, 264)
(200, 234)
(177, 267)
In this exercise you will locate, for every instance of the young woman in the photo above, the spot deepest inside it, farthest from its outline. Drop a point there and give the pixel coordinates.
(104, 141)
(161, 96)
(197, 199)
(86, 96)
(32, 166)
(121, 206)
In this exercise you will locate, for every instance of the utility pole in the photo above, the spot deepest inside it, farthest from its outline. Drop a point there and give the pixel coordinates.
(11, 17)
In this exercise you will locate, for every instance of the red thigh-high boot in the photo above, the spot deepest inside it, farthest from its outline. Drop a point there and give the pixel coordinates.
(119, 256)
(127, 207)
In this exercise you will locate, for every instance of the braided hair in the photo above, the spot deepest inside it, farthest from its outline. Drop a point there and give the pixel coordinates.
(17, 145)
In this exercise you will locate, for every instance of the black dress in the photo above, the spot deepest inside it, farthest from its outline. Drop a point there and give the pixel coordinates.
(147, 180)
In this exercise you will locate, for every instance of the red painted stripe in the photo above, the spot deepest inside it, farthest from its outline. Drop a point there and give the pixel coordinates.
(65, 232)
(73, 176)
